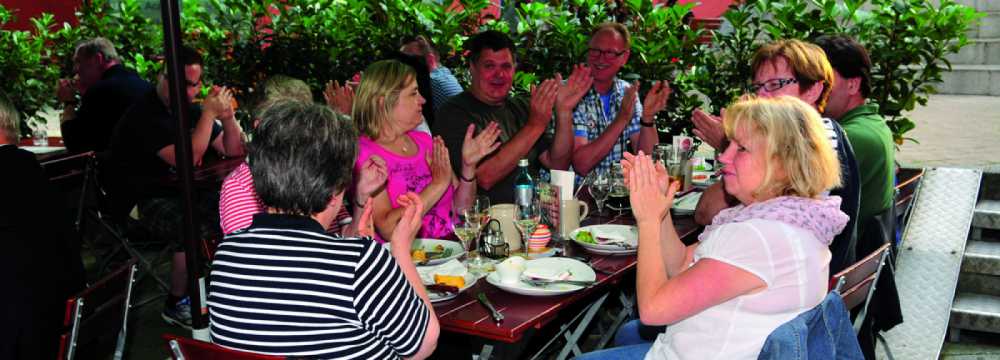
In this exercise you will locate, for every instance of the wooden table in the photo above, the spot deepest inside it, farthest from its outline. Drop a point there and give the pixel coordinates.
(210, 174)
(466, 315)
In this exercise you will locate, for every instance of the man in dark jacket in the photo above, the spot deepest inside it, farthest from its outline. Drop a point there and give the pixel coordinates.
(106, 89)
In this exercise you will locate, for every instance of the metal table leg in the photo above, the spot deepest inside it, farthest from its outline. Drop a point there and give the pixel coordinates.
(572, 336)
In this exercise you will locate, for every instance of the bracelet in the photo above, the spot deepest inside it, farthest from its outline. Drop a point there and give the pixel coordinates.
(647, 124)
(473, 179)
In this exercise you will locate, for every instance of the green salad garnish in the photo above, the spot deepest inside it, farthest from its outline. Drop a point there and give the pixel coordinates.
(585, 237)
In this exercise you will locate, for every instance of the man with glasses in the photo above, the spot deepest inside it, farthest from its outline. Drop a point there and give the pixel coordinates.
(609, 114)
(799, 69)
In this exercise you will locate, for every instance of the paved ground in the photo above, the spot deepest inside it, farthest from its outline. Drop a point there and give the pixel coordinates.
(954, 130)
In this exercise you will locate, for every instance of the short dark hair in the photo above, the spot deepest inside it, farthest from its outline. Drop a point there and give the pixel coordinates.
(489, 39)
(302, 154)
(188, 56)
(849, 58)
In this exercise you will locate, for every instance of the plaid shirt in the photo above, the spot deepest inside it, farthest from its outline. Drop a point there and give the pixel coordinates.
(590, 121)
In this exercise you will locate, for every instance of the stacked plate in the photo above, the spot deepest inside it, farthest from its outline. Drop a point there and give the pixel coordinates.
(557, 267)
(608, 239)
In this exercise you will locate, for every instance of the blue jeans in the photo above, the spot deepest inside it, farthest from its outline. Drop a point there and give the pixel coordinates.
(629, 344)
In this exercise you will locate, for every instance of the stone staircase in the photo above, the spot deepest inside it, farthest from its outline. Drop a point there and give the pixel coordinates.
(976, 68)
(977, 301)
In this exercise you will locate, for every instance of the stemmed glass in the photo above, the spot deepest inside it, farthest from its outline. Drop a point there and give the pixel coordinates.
(526, 219)
(599, 186)
(481, 208)
(466, 225)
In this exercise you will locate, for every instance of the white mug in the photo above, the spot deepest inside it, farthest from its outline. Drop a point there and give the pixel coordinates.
(504, 213)
(570, 215)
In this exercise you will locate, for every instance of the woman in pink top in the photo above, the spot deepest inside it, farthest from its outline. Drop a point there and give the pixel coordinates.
(387, 109)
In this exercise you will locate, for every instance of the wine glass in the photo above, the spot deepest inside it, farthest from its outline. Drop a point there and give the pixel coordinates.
(466, 226)
(599, 186)
(526, 219)
(481, 207)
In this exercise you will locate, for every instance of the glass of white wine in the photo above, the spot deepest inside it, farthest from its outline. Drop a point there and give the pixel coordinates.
(466, 224)
(526, 219)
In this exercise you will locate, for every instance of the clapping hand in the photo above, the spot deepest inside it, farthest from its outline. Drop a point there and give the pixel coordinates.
(409, 222)
(708, 128)
(66, 91)
(646, 189)
(366, 226)
(440, 163)
(574, 89)
(371, 177)
(339, 98)
(656, 99)
(476, 148)
(628, 101)
(543, 98)
(220, 103)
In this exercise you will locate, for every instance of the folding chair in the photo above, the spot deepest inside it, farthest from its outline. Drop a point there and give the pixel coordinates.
(94, 208)
(859, 281)
(101, 308)
(191, 349)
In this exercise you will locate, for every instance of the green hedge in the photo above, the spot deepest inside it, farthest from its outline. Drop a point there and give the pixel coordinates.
(318, 40)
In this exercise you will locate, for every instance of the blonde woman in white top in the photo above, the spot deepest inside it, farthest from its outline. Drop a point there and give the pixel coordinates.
(759, 264)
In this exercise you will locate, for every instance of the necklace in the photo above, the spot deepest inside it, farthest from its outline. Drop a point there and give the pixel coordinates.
(402, 145)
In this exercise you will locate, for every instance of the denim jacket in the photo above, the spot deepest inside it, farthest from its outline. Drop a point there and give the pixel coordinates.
(825, 332)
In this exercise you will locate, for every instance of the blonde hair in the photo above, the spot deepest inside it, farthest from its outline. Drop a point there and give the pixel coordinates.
(378, 93)
(807, 61)
(796, 141)
(278, 88)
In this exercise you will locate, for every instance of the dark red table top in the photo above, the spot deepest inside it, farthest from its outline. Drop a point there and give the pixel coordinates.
(466, 315)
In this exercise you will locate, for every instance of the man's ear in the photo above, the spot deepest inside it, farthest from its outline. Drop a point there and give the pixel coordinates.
(853, 85)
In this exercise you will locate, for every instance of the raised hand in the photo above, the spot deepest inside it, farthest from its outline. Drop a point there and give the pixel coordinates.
(543, 98)
(649, 202)
(708, 128)
(662, 176)
(220, 103)
(656, 99)
(574, 89)
(476, 148)
(339, 98)
(440, 162)
(366, 226)
(409, 222)
(628, 101)
(372, 176)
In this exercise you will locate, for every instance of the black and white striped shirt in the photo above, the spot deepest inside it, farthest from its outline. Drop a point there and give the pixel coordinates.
(284, 287)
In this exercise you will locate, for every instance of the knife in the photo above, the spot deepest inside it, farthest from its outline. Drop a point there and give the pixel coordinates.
(497, 316)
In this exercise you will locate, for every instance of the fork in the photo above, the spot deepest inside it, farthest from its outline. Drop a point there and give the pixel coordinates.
(537, 282)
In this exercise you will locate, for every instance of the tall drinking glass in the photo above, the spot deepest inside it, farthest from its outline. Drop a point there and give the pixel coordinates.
(526, 219)
(618, 193)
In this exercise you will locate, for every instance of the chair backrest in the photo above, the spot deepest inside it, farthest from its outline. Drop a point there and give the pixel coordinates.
(858, 278)
(190, 349)
(100, 309)
(68, 166)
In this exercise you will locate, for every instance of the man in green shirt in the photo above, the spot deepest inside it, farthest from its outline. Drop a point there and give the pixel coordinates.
(865, 127)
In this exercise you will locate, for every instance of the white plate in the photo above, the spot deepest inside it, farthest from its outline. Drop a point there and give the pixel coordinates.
(438, 297)
(686, 204)
(429, 245)
(578, 269)
(625, 232)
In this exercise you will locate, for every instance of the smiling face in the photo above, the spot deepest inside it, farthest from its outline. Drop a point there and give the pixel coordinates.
(606, 56)
(492, 76)
(407, 113)
(744, 166)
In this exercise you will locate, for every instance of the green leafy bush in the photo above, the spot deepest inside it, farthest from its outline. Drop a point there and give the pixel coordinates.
(244, 41)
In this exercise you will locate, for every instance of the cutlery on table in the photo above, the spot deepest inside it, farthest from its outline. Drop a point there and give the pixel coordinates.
(539, 282)
(497, 316)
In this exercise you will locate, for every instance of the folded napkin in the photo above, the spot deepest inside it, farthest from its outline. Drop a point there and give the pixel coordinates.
(547, 273)
(688, 202)
(451, 267)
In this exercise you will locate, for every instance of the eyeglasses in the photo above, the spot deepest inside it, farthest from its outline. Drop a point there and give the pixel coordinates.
(608, 54)
(771, 85)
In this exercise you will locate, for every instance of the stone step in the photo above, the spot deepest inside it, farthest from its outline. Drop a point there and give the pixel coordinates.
(978, 52)
(977, 312)
(982, 257)
(987, 214)
(971, 80)
(979, 284)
